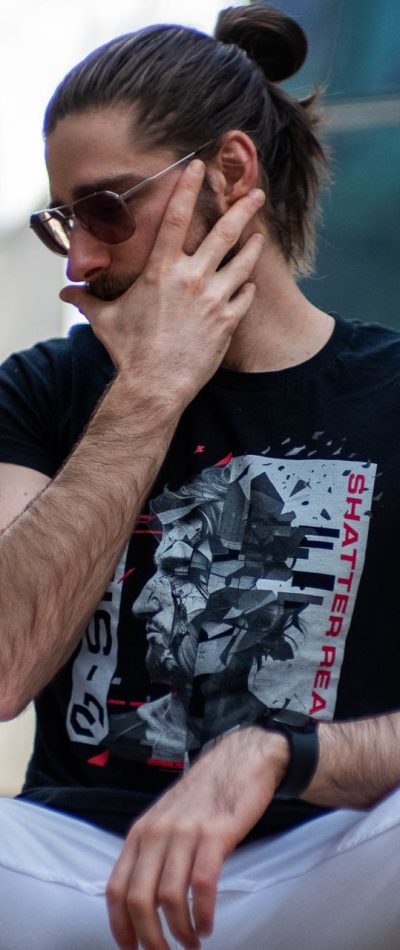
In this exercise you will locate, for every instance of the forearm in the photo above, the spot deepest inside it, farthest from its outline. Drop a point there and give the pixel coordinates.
(58, 555)
(359, 762)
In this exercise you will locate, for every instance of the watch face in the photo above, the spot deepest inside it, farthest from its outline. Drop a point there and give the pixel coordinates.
(293, 719)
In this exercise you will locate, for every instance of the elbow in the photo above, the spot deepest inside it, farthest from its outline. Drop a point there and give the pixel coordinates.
(12, 704)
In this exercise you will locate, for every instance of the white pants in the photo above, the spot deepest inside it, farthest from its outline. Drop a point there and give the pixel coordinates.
(332, 884)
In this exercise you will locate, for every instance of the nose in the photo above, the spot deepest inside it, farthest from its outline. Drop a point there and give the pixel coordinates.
(88, 256)
(145, 604)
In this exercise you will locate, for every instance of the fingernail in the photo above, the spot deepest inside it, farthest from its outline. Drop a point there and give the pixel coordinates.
(196, 167)
(258, 196)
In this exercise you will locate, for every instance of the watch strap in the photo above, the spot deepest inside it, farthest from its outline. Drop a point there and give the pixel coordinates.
(301, 733)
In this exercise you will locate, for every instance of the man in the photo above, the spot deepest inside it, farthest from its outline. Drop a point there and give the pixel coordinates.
(220, 428)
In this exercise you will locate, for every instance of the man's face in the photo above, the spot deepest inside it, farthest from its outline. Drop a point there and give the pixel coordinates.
(171, 600)
(93, 151)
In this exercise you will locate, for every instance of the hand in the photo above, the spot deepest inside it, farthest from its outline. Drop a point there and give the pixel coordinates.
(174, 324)
(183, 840)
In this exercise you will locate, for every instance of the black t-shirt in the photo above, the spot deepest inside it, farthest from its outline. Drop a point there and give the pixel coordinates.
(262, 572)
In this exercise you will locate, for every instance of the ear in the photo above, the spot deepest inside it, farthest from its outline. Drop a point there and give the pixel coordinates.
(234, 169)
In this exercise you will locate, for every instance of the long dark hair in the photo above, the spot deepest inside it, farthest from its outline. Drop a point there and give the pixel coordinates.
(189, 88)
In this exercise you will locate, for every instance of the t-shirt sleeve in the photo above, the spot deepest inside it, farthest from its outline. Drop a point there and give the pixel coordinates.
(34, 406)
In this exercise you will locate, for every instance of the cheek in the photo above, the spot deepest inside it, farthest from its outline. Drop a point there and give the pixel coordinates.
(191, 600)
(148, 213)
(206, 215)
(131, 255)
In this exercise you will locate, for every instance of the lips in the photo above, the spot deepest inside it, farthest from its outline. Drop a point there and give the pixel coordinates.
(155, 633)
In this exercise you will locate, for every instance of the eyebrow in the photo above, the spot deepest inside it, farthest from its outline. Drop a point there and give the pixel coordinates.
(119, 184)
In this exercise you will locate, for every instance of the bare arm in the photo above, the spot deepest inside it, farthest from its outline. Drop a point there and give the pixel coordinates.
(18, 486)
(58, 555)
(359, 762)
(166, 336)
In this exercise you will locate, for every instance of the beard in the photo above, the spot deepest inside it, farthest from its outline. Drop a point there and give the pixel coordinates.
(108, 287)
(207, 212)
(210, 212)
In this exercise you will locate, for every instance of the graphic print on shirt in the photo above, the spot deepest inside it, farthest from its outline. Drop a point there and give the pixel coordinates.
(94, 667)
(256, 576)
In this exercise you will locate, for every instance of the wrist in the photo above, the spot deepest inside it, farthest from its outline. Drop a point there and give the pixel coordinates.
(300, 732)
(170, 385)
(134, 395)
(276, 751)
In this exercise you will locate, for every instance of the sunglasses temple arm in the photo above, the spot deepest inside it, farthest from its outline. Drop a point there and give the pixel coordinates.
(186, 158)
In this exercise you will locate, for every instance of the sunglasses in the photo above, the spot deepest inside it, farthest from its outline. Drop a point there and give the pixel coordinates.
(105, 214)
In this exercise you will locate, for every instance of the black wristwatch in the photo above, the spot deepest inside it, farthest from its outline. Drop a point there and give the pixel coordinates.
(301, 732)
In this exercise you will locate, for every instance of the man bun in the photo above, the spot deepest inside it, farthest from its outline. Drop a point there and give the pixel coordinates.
(273, 40)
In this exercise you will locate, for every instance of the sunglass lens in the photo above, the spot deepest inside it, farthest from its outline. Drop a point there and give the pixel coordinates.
(106, 216)
(51, 231)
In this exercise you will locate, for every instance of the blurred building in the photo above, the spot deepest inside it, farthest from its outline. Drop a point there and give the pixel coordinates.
(354, 54)
(30, 279)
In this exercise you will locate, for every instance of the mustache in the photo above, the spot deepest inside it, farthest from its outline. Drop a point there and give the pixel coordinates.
(108, 287)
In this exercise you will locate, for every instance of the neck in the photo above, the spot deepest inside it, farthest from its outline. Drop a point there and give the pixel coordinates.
(282, 328)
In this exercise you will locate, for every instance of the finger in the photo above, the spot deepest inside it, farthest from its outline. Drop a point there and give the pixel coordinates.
(230, 278)
(178, 215)
(205, 875)
(228, 230)
(173, 891)
(120, 921)
(142, 893)
(240, 304)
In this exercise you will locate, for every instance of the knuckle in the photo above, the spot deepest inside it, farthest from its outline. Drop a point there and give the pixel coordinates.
(228, 316)
(247, 260)
(153, 274)
(203, 882)
(226, 232)
(213, 300)
(137, 902)
(188, 829)
(176, 218)
(160, 827)
(168, 897)
(113, 893)
(193, 281)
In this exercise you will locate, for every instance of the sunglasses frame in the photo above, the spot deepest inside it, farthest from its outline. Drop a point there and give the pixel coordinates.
(39, 219)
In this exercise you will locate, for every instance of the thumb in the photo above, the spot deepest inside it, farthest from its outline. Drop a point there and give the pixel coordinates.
(78, 296)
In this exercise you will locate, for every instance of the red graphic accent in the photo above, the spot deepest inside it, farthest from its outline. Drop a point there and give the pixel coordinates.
(165, 763)
(100, 760)
(149, 531)
(199, 449)
(124, 702)
(228, 458)
(145, 519)
(127, 573)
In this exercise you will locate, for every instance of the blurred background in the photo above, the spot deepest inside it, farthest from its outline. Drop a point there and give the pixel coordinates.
(354, 55)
